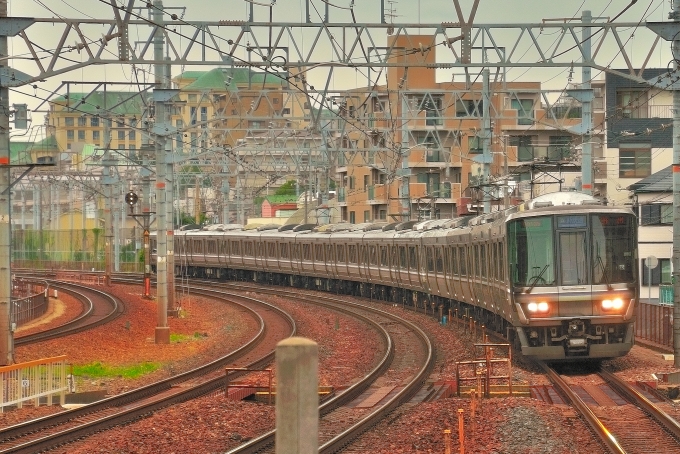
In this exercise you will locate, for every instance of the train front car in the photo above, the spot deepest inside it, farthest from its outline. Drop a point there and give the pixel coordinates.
(572, 267)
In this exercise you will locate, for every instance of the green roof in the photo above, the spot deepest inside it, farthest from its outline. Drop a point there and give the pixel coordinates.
(278, 199)
(217, 79)
(93, 102)
(20, 152)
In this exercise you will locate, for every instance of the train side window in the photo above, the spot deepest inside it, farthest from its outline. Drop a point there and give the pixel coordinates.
(212, 247)
(394, 257)
(306, 252)
(198, 246)
(340, 252)
(403, 261)
(329, 253)
(236, 247)
(501, 262)
(373, 255)
(363, 254)
(383, 256)
(429, 259)
(295, 252)
(318, 252)
(224, 247)
(439, 260)
(412, 258)
(463, 261)
(454, 261)
(483, 260)
(352, 253)
(283, 249)
(271, 249)
(494, 262)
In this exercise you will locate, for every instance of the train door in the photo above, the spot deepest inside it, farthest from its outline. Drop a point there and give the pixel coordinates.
(573, 272)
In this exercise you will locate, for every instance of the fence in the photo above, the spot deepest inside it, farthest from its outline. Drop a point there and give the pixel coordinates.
(28, 308)
(655, 324)
(76, 250)
(36, 381)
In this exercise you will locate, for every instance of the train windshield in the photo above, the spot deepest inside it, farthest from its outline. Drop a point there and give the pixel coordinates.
(531, 251)
(613, 247)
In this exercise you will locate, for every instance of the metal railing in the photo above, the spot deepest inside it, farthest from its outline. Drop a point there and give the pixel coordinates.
(654, 323)
(37, 381)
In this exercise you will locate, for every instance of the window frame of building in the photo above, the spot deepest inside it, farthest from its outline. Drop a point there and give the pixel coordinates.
(631, 103)
(94, 121)
(70, 134)
(352, 217)
(635, 160)
(660, 275)
(69, 121)
(96, 136)
(469, 108)
(82, 121)
(121, 134)
(656, 214)
(81, 135)
(559, 146)
(525, 147)
(525, 110)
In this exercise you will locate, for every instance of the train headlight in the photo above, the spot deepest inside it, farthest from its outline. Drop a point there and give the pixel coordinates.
(538, 307)
(612, 304)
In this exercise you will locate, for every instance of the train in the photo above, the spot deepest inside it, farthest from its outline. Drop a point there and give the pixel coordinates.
(556, 275)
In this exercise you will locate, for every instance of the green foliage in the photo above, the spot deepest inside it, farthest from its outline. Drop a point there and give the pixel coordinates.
(288, 188)
(99, 370)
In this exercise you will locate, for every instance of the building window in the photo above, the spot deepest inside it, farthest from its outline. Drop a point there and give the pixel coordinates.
(631, 103)
(194, 141)
(660, 275)
(367, 215)
(476, 145)
(635, 160)
(132, 135)
(285, 111)
(204, 115)
(352, 217)
(382, 215)
(433, 111)
(656, 214)
(120, 123)
(94, 121)
(351, 182)
(179, 142)
(68, 121)
(275, 100)
(121, 146)
(469, 108)
(559, 148)
(95, 136)
(525, 147)
(193, 115)
(82, 121)
(81, 135)
(121, 135)
(525, 110)
(70, 135)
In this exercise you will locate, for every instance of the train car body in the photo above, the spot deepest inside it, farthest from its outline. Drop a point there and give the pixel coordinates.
(557, 274)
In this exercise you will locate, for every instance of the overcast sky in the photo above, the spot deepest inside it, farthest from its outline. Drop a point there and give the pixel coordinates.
(405, 11)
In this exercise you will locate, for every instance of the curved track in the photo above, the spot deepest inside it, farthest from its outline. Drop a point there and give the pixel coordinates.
(61, 428)
(99, 308)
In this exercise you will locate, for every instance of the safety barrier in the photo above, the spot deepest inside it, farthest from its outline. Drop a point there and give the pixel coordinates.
(29, 301)
(38, 381)
(654, 323)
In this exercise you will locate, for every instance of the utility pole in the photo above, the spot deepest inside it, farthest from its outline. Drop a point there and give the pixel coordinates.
(162, 334)
(6, 331)
(107, 181)
(405, 170)
(586, 105)
(486, 139)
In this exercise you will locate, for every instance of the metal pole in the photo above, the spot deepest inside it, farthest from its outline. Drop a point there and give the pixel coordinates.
(6, 334)
(108, 193)
(162, 333)
(587, 120)
(405, 170)
(486, 139)
(675, 15)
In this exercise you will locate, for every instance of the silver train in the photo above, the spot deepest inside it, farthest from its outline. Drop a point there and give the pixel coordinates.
(556, 275)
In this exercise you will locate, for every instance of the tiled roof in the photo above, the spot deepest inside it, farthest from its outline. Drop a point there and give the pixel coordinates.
(661, 181)
(92, 103)
(275, 199)
(217, 78)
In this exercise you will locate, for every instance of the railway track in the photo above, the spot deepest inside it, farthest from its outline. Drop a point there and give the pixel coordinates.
(66, 427)
(99, 308)
(626, 418)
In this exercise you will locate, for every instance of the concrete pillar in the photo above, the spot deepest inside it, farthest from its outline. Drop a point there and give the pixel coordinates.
(297, 398)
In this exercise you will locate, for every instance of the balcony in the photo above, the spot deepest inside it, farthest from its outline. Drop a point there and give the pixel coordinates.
(342, 195)
(645, 111)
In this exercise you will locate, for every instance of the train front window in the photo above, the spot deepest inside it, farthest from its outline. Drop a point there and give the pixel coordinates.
(613, 258)
(531, 251)
(573, 249)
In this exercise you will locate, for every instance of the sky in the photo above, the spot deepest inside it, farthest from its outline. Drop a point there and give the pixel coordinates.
(637, 42)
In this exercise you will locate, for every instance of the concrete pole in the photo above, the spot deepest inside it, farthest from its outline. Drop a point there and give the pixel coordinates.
(107, 181)
(486, 139)
(6, 334)
(586, 106)
(297, 398)
(162, 333)
(675, 45)
(405, 170)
